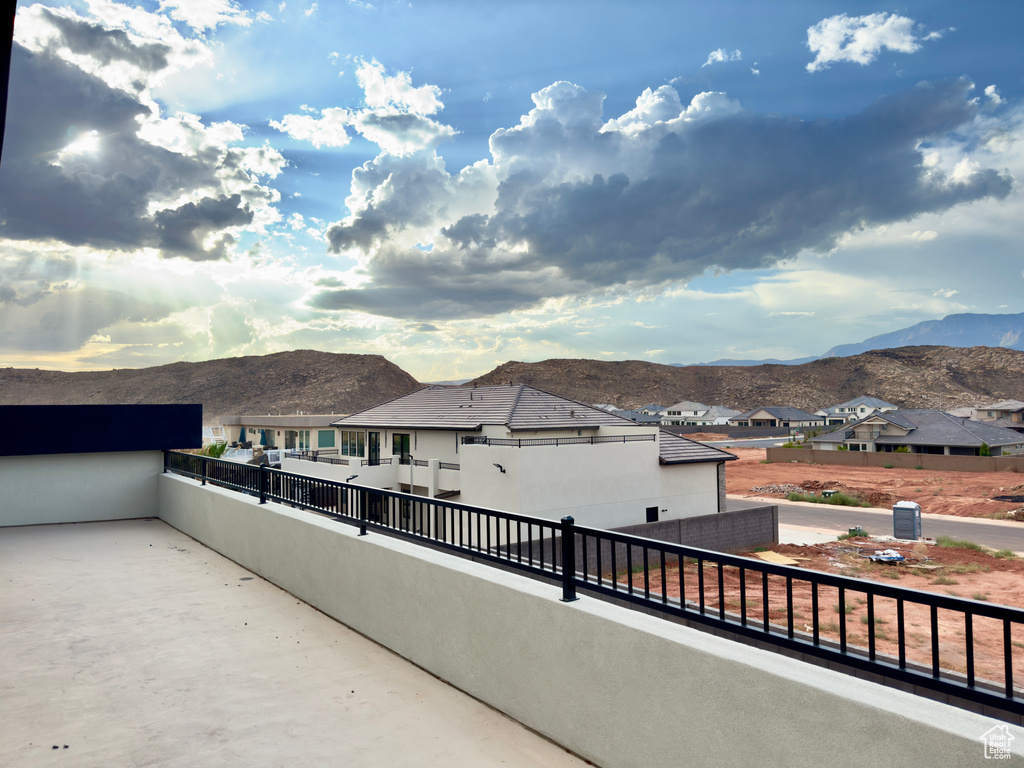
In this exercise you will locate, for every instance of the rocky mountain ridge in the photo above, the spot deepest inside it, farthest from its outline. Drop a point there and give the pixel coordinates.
(323, 382)
(911, 377)
(283, 383)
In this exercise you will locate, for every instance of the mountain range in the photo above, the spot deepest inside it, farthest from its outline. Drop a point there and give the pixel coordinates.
(311, 382)
(962, 330)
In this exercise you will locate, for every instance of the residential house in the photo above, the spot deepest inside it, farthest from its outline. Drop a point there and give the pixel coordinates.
(1008, 414)
(855, 409)
(521, 449)
(696, 414)
(640, 417)
(298, 432)
(920, 431)
(651, 409)
(678, 414)
(776, 416)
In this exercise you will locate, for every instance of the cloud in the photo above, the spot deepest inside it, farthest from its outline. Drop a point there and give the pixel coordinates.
(721, 55)
(993, 95)
(202, 15)
(861, 38)
(572, 204)
(330, 129)
(89, 163)
(395, 117)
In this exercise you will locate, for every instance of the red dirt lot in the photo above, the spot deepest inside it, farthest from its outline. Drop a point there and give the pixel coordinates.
(964, 494)
(961, 572)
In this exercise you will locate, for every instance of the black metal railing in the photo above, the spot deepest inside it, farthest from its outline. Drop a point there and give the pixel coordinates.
(324, 456)
(449, 465)
(526, 442)
(966, 649)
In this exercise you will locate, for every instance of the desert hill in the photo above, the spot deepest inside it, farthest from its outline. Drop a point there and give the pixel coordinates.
(911, 377)
(324, 382)
(281, 383)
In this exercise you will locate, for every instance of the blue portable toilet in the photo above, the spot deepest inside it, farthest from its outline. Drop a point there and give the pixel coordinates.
(906, 520)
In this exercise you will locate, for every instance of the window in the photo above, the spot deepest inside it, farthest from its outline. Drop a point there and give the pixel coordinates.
(304, 443)
(400, 448)
(325, 438)
(352, 443)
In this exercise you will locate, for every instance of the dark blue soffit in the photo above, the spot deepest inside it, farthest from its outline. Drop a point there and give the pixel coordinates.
(46, 429)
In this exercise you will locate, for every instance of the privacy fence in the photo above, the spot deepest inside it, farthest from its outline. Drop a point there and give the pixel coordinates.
(925, 461)
(969, 652)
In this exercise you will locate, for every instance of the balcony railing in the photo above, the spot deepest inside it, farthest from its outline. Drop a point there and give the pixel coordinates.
(745, 597)
(323, 456)
(526, 442)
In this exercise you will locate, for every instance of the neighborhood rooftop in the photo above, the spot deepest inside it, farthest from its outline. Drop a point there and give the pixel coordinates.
(929, 427)
(519, 407)
(674, 449)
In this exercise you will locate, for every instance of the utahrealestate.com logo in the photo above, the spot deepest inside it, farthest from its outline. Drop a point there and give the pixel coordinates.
(997, 743)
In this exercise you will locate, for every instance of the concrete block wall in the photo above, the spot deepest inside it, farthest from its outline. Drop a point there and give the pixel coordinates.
(927, 461)
(617, 687)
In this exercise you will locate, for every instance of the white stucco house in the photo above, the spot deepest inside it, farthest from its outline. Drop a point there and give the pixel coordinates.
(523, 450)
(696, 414)
(303, 432)
(855, 409)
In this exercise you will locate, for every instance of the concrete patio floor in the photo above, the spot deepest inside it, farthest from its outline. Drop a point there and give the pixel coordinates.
(129, 644)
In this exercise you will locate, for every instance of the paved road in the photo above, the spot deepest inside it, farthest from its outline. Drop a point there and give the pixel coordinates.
(758, 443)
(991, 533)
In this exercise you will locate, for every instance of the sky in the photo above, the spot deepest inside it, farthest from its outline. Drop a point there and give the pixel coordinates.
(455, 184)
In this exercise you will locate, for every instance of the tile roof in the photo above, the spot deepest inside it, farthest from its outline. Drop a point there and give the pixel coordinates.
(781, 412)
(639, 417)
(930, 427)
(871, 402)
(675, 449)
(519, 407)
(1003, 405)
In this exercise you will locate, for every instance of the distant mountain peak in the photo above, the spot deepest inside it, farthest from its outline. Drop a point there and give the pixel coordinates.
(966, 329)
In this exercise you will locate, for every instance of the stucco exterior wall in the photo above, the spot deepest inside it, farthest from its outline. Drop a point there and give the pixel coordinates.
(80, 487)
(616, 686)
(606, 485)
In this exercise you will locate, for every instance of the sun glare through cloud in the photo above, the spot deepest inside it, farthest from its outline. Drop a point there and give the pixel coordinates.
(170, 191)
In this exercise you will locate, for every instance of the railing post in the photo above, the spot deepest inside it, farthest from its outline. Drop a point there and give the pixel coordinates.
(364, 499)
(202, 472)
(264, 476)
(167, 456)
(568, 560)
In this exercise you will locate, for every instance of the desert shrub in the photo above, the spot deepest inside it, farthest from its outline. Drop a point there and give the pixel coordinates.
(902, 449)
(949, 541)
(888, 466)
(839, 499)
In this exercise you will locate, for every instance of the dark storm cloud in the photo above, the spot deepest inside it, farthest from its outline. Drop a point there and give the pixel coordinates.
(102, 198)
(105, 45)
(738, 191)
(182, 230)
